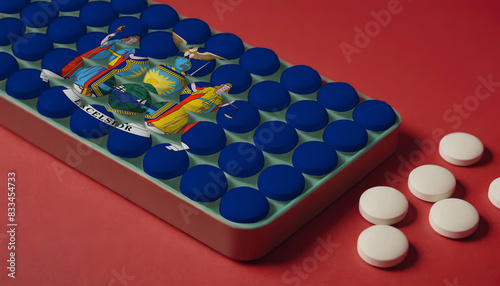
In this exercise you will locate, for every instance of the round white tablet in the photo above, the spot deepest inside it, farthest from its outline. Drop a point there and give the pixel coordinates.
(431, 183)
(382, 246)
(383, 205)
(494, 192)
(461, 149)
(453, 218)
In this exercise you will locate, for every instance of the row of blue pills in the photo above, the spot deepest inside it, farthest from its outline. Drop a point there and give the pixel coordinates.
(206, 183)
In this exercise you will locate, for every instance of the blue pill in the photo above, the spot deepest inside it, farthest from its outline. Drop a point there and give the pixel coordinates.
(129, 6)
(26, 84)
(269, 96)
(244, 205)
(57, 59)
(9, 65)
(193, 31)
(124, 142)
(160, 17)
(39, 14)
(159, 45)
(54, 103)
(98, 14)
(307, 115)
(345, 136)
(69, 5)
(374, 115)
(203, 183)
(133, 27)
(226, 45)
(315, 158)
(92, 121)
(239, 117)
(165, 163)
(338, 96)
(301, 79)
(10, 30)
(90, 41)
(13, 7)
(204, 138)
(275, 137)
(281, 182)
(66, 30)
(241, 159)
(239, 78)
(260, 61)
(32, 47)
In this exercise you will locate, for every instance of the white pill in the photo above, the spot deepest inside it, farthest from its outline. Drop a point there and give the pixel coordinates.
(494, 192)
(461, 149)
(383, 205)
(382, 246)
(453, 218)
(431, 183)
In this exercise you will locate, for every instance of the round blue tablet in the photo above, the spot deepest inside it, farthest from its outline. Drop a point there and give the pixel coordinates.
(98, 14)
(69, 6)
(54, 103)
(160, 17)
(92, 121)
(281, 182)
(9, 65)
(238, 116)
(226, 45)
(90, 41)
(159, 45)
(338, 96)
(155, 162)
(10, 29)
(233, 74)
(193, 31)
(13, 7)
(39, 14)
(133, 27)
(244, 205)
(301, 79)
(204, 138)
(32, 47)
(275, 137)
(260, 61)
(374, 115)
(269, 96)
(129, 6)
(129, 140)
(66, 30)
(241, 159)
(56, 60)
(307, 115)
(315, 158)
(203, 183)
(345, 136)
(26, 84)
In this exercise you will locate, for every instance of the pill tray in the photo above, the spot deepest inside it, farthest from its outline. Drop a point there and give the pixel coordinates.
(163, 198)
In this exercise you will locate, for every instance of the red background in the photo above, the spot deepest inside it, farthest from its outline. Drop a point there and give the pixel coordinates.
(74, 231)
